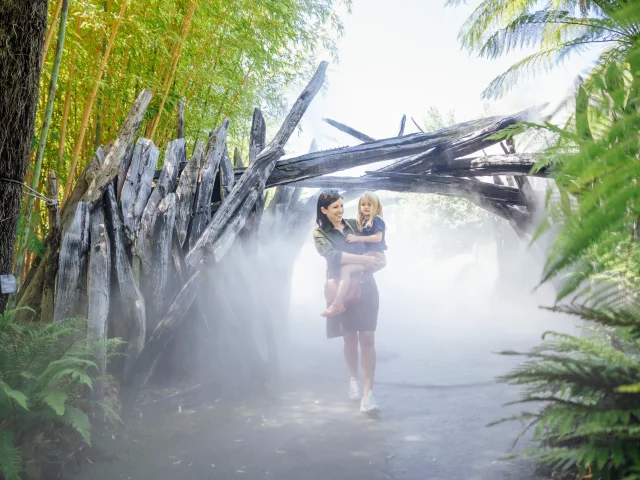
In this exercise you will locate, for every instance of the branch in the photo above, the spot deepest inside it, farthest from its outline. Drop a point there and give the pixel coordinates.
(349, 131)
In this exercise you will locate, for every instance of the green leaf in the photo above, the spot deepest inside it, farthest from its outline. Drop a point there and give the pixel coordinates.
(10, 459)
(19, 397)
(56, 400)
(79, 421)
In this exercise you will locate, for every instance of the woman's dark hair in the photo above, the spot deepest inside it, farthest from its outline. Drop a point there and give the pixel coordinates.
(326, 198)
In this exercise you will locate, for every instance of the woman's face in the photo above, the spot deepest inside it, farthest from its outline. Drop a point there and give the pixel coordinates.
(334, 212)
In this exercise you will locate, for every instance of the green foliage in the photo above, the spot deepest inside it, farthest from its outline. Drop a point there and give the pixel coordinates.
(589, 387)
(588, 422)
(44, 372)
(554, 29)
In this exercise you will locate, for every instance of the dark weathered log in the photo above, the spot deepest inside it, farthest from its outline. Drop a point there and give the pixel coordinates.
(180, 120)
(416, 124)
(161, 260)
(403, 124)
(175, 153)
(512, 164)
(131, 325)
(31, 291)
(53, 243)
(99, 291)
(72, 271)
(228, 236)
(257, 141)
(186, 192)
(530, 197)
(80, 188)
(137, 186)
(237, 158)
(349, 131)
(451, 186)
(259, 171)
(257, 136)
(519, 220)
(329, 161)
(460, 147)
(212, 157)
(227, 176)
(122, 148)
(142, 370)
(178, 258)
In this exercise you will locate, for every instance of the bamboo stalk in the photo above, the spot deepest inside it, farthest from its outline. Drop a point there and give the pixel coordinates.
(89, 106)
(50, 31)
(44, 132)
(237, 95)
(186, 25)
(205, 45)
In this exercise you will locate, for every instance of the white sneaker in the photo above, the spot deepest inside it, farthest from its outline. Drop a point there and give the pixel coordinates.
(354, 389)
(369, 404)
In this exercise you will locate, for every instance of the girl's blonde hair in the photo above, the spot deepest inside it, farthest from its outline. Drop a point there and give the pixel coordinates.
(376, 210)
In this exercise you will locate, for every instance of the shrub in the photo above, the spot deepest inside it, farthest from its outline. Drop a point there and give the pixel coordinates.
(45, 369)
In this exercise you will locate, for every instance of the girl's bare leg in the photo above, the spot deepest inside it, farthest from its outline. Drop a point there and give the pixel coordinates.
(345, 280)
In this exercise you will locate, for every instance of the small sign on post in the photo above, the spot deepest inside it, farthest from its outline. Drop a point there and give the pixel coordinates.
(8, 284)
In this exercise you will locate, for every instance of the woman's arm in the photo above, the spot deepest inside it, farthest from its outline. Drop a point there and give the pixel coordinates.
(375, 238)
(335, 258)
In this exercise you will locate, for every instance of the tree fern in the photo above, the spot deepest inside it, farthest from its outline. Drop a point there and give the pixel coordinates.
(558, 29)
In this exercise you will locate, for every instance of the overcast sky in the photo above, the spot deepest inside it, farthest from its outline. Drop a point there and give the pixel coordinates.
(402, 57)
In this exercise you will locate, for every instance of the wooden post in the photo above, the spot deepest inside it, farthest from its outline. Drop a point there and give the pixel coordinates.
(137, 186)
(212, 157)
(131, 325)
(227, 177)
(161, 261)
(121, 150)
(72, 273)
(175, 153)
(186, 193)
(99, 292)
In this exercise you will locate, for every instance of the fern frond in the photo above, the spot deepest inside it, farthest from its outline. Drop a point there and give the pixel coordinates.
(10, 459)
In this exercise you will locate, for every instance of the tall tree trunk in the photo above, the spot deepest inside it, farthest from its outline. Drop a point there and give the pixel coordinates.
(37, 168)
(23, 26)
(89, 106)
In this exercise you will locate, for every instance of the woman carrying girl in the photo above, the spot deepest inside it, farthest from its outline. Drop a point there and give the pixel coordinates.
(371, 232)
(357, 324)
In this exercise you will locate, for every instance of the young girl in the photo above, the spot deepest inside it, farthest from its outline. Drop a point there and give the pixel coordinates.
(371, 231)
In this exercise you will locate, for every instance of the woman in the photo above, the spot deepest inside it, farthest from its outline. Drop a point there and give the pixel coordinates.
(358, 323)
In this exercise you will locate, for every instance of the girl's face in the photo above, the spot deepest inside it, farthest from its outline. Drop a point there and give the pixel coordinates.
(366, 208)
(334, 212)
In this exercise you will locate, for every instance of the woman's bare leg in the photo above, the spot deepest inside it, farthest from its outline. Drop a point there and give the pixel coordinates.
(351, 352)
(345, 280)
(368, 359)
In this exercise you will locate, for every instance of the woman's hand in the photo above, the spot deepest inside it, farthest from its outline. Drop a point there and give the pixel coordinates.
(351, 238)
